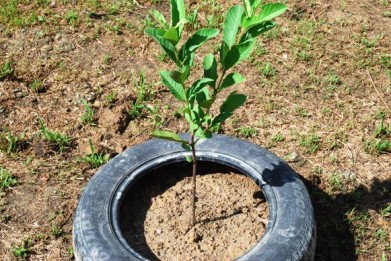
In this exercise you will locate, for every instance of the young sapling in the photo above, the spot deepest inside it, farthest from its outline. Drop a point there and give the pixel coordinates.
(242, 24)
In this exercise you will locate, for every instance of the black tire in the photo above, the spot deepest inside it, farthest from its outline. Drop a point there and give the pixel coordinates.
(290, 233)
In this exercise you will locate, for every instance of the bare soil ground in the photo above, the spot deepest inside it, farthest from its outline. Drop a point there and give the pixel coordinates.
(319, 97)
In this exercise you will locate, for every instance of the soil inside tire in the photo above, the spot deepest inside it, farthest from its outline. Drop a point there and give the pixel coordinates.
(231, 214)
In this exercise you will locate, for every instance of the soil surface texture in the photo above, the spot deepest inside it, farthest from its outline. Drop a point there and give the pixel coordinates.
(231, 215)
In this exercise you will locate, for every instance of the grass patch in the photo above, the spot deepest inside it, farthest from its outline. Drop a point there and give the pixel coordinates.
(61, 140)
(7, 180)
(311, 142)
(94, 159)
(12, 143)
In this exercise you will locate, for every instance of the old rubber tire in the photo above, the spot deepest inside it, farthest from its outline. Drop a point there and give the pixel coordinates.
(290, 233)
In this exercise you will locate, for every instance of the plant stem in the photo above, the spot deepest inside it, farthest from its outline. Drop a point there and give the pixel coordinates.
(193, 201)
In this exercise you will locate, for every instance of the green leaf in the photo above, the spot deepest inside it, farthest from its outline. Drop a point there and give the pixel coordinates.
(257, 30)
(207, 103)
(168, 135)
(272, 10)
(238, 53)
(231, 79)
(198, 85)
(247, 8)
(178, 14)
(159, 18)
(269, 11)
(223, 53)
(175, 88)
(210, 68)
(231, 24)
(255, 4)
(232, 102)
(191, 119)
(189, 158)
(200, 133)
(168, 47)
(185, 73)
(176, 76)
(195, 41)
(202, 96)
(172, 36)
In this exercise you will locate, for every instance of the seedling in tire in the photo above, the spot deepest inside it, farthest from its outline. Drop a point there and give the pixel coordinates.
(241, 27)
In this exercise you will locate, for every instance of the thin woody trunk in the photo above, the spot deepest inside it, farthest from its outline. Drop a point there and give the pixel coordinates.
(193, 201)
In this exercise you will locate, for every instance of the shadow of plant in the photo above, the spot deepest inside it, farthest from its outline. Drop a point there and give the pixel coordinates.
(342, 219)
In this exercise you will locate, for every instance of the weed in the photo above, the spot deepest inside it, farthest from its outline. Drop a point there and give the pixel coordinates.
(23, 249)
(332, 79)
(273, 34)
(88, 117)
(37, 86)
(57, 138)
(7, 71)
(71, 252)
(302, 112)
(12, 144)
(369, 44)
(360, 222)
(192, 19)
(55, 230)
(386, 211)
(107, 59)
(144, 93)
(339, 138)
(333, 158)
(311, 142)
(385, 61)
(335, 182)
(95, 159)
(301, 47)
(28, 160)
(380, 143)
(268, 71)
(10, 13)
(71, 17)
(278, 137)
(342, 5)
(113, 9)
(111, 98)
(157, 119)
(6, 178)
(378, 146)
(382, 130)
(113, 28)
(259, 51)
(381, 234)
(248, 132)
